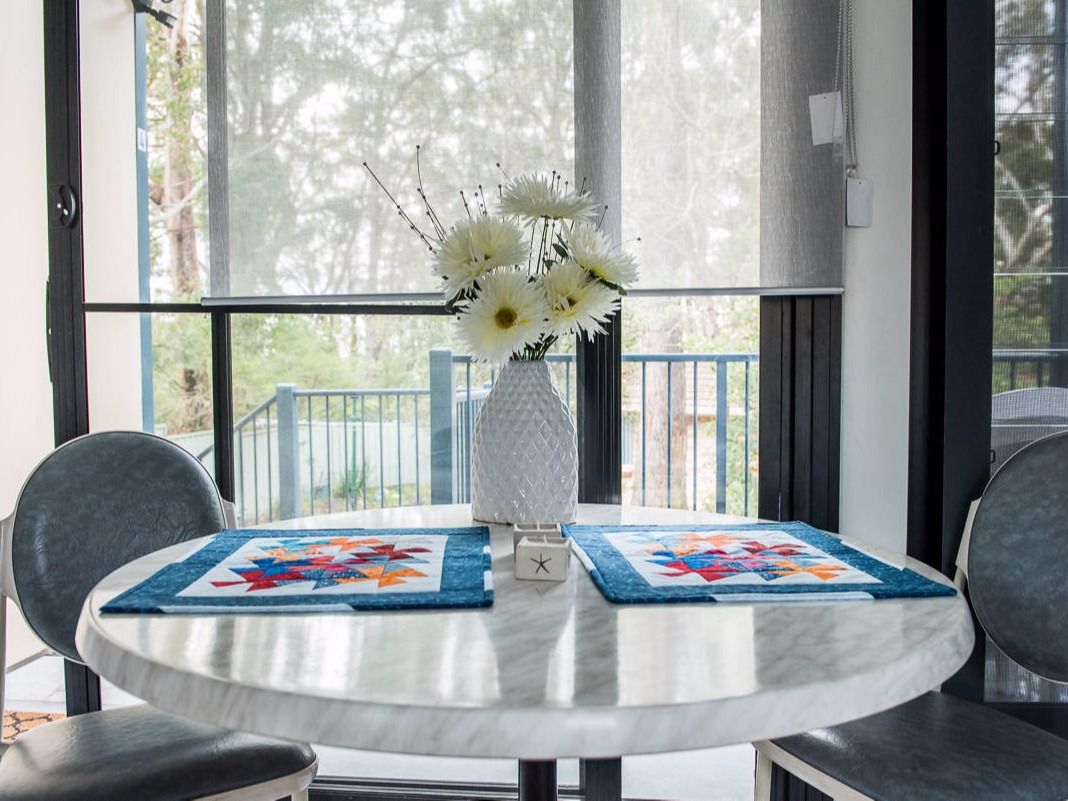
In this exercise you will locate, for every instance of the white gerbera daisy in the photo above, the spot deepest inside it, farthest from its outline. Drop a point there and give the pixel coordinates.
(534, 197)
(591, 248)
(475, 247)
(509, 314)
(577, 302)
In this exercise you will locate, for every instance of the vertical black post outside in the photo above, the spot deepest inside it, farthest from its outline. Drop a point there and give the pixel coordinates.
(222, 397)
(598, 162)
(66, 296)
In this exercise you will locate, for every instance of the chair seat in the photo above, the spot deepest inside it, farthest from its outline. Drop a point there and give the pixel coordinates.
(137, 753)
(937, 748)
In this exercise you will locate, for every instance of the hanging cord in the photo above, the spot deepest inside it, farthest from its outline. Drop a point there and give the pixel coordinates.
(843, 64)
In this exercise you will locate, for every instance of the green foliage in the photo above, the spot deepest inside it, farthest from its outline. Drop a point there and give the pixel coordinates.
(314, 89)
(1027, 307)
(181, 358)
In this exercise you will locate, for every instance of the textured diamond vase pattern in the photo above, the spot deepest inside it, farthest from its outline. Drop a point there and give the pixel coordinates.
(524, 453)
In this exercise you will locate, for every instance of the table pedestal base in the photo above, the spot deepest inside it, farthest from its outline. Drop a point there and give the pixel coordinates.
(537, 780)
(599, 779)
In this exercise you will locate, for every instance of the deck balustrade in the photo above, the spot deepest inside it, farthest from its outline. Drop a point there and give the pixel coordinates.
(316, 451)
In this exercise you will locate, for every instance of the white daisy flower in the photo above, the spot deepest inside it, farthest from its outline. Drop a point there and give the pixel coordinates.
(577, 302)
(591, 248)
(534, 197)
(509, 314)
(475, 247)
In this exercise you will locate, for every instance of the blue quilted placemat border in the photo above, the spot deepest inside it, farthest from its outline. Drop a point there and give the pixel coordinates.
(466, 578)
(619, 582)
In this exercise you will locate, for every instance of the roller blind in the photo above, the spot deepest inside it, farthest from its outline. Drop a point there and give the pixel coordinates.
(721, 181)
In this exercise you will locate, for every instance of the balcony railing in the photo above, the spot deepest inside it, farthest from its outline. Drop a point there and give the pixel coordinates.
(688, 421)
(1018, 369)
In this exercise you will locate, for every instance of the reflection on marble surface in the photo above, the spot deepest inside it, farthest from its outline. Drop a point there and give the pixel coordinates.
(550, 670)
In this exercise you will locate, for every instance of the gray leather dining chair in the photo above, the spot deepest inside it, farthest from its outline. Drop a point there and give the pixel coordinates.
(93, 504)
(1014, 562)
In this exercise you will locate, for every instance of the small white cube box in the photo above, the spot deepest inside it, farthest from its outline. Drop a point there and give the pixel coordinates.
(541, 553)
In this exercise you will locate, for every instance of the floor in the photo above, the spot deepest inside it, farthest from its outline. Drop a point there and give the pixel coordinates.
(720, 774)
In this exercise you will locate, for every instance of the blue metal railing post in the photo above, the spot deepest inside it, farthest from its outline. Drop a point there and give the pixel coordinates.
(721, 436)
(442, 425)
(288, 453)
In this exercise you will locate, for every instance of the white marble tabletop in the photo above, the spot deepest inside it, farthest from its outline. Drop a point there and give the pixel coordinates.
(550, 670)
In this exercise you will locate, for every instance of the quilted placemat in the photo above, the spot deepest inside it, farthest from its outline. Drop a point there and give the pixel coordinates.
(750, 562)
(329, 570)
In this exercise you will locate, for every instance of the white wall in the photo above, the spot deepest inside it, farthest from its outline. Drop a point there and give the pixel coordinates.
(25, 391)
(875, 317)
(109, 209)
(109, 204)
(26, 432)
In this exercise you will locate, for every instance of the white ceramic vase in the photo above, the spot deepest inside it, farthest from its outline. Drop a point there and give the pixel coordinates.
(524, 452)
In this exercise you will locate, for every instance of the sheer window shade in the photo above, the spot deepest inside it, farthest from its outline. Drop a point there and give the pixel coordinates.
(720, 179)
(314, 89)
(802, 199)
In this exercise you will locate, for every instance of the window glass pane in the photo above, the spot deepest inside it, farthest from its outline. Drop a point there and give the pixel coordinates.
(1030, 358)
(691, 141)
(314, 89)
(152, 226)
(690, 390)
(336, 413)
(152, 372)
(176, 197)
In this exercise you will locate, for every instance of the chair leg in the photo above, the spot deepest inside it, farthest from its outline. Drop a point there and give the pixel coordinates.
(762, 778)
(301, 796)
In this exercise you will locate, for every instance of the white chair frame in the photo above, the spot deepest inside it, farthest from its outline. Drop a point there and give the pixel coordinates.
(295, 785)
(768, 754)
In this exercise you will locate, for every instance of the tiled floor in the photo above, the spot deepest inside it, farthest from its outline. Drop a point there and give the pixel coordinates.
(720, 774)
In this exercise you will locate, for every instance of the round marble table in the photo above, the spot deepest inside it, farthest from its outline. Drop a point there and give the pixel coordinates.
(550, 670)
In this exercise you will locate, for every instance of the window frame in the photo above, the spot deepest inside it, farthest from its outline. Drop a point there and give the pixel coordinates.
(598, 376)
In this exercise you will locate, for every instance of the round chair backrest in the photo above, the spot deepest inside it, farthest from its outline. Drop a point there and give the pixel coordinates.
(1018, 557)
(93, 505)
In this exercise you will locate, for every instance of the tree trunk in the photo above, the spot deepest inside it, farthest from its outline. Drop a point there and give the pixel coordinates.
(176, 205)
(665, 420)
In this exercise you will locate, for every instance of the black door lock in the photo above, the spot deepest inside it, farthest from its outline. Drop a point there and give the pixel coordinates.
(62, 206)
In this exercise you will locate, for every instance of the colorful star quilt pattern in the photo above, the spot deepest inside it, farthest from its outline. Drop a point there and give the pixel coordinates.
(327, 570)
(748, 562)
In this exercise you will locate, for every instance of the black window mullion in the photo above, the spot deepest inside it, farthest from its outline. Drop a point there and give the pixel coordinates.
(598, 164)
(66, 295)
(222, 403)
(66, 322)
(598, 375)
